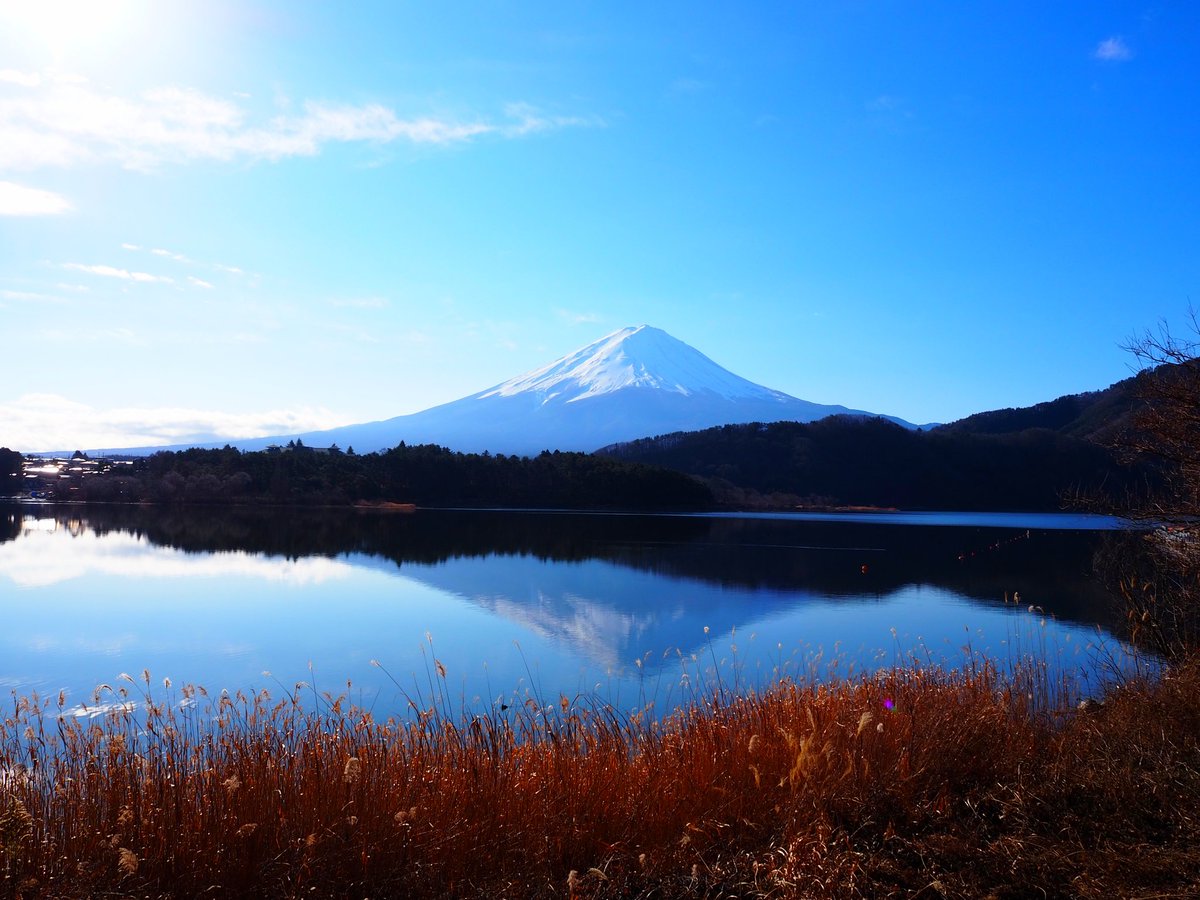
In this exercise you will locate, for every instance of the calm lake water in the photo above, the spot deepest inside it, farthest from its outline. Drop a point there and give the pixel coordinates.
(628, 608)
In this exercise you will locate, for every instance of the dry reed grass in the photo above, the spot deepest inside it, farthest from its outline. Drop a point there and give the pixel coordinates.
(911, 782)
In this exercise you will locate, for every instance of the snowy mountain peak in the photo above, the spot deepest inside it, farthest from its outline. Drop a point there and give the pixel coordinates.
(635, 357)
(636, 382)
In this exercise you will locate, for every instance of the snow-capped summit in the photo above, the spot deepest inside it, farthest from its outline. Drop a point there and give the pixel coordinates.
(636, 357)
(636, 382)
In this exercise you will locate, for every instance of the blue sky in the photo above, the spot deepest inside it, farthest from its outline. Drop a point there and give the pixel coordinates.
(243, 218)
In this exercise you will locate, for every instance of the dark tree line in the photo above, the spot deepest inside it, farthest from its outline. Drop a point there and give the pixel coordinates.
(854, 461)
(425, 475)
(10, 471)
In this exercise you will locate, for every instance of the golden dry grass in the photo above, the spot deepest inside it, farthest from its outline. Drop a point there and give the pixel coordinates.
(912, 782)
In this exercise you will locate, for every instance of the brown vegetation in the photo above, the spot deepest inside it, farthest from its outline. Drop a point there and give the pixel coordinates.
(914, 782)
(1157, 574)
(1166, 421)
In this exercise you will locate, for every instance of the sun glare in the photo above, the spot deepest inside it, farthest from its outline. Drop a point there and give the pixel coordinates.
(66, 28)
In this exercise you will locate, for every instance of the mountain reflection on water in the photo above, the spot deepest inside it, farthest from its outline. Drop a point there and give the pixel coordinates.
(585, 596)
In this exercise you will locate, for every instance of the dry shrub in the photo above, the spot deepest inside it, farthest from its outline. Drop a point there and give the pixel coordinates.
(911, 780)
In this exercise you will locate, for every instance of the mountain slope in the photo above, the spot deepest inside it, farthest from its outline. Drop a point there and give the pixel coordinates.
(843, 461)
(1094, 415)
(1035, 457)
(632, 383)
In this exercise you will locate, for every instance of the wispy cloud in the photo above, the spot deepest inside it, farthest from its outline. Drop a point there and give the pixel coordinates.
(1113, 49)
(28, 297)
(359, 303)
(199, 282)
(889, 113)
(184, 259)
(114, 272)
(52, 422)
(18, 200)
(530, 120)
(354, 333)
(683, 86)
(61, 123)
(83, 335)
(178, 257)
(578, 318)
(884, 103)
(24, 79)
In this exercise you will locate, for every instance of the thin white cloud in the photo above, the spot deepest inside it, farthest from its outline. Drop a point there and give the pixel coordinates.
(120, 336)
(65, 336)
(18, 200)
(199, 282)
(24, 79)
(360, 335)
(1113, 49)
(321, 124)
(888, 113)
(530, 120)
(61, 123)
(888, 109)
(184, 259)
(114, 272)
(578, 318)
(683, 86)
(37, 422)
(30, 297)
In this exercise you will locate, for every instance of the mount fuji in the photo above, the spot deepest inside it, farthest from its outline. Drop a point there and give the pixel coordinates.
(636, 382)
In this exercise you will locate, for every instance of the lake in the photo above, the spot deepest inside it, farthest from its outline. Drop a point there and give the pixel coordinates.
(628, 609)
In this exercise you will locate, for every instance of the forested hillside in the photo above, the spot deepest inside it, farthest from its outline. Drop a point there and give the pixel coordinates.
(1098, 416)
(843, 461)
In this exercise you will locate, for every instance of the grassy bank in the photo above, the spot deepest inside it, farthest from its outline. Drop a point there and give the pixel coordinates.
(913, 782)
